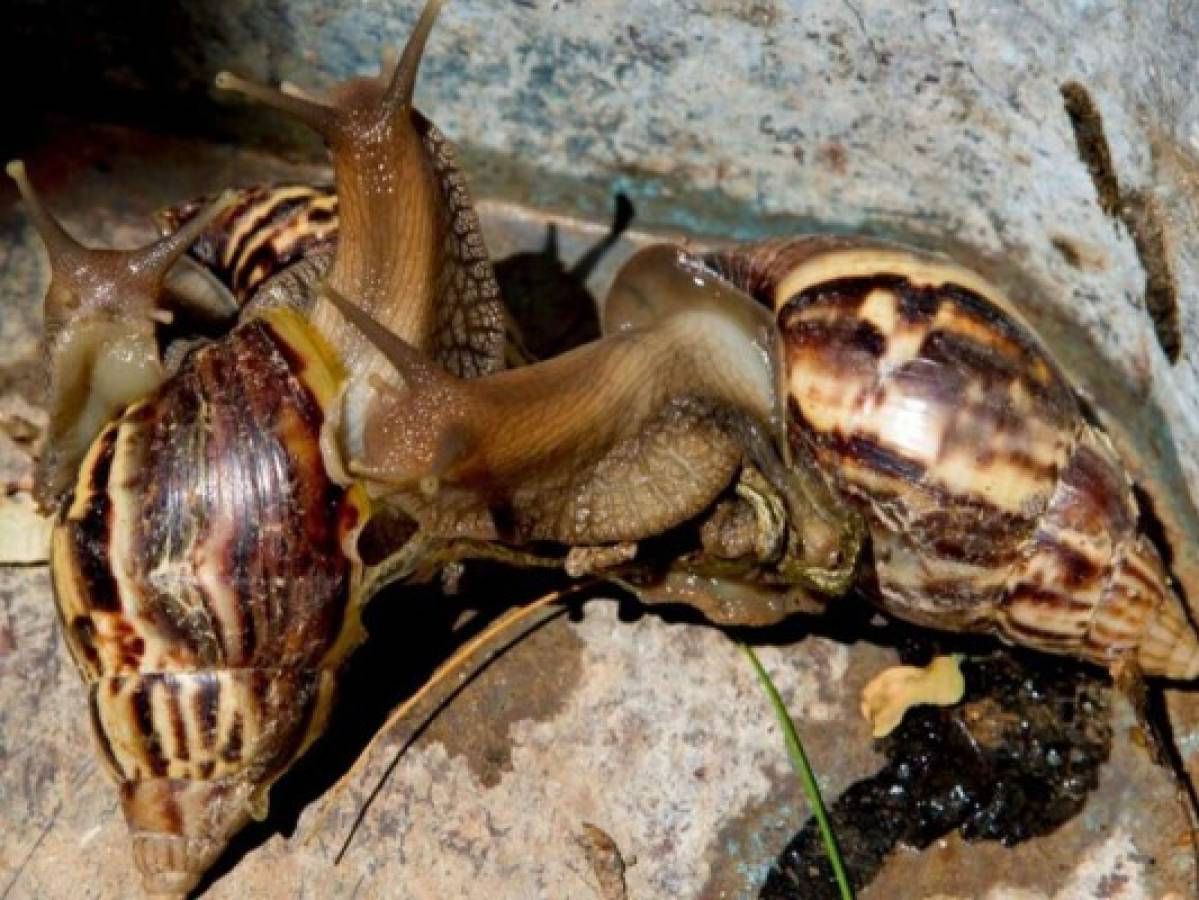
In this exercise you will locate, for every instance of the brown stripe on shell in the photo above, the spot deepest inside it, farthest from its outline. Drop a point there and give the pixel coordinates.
(263, 580)
(272, 256)
(213, 248)
(852, 347)
(983, 363)
(1030, 602)
(231, 751)
(173, 701)
(1076, 569)
(758, 268)
(870, 452)
(81, 636)
(90, 532)
(142, 718)
(102, 742)
(965, 431)
(1039, 637)
(1002, 331)
(265, 230)
(971, 530)
(285, 230)
(206, 698)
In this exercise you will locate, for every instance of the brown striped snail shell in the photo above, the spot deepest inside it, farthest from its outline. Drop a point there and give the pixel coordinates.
(263, 230)
(209, 594)
(204, 560)
(992, 503)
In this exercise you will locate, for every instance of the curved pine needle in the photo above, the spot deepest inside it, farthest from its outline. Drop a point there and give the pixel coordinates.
(803, 768)
(459, 664)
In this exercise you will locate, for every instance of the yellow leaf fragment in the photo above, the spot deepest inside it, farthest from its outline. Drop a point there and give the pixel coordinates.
(892, 692)
(24, 533)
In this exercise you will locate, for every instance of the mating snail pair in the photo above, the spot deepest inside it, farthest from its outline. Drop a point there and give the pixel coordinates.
(806, 413)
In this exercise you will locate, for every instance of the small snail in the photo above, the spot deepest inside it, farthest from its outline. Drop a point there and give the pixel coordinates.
(766, 401)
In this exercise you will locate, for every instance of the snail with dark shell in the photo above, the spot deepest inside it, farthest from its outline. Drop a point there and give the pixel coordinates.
(777, 403)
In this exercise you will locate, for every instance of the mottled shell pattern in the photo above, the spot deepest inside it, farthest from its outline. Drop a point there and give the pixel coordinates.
(993, 504)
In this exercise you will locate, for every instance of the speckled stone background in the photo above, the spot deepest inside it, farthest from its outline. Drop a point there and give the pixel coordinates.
(939, 123)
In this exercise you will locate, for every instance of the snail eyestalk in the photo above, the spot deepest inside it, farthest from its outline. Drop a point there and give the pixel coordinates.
(403, 80)
(57, 241)
(313, 113)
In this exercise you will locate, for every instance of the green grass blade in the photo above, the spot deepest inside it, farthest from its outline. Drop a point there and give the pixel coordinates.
(799, 762)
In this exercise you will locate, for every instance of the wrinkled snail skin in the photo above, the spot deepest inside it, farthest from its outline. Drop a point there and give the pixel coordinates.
(617, 440)
(204, 556)
(992, 503)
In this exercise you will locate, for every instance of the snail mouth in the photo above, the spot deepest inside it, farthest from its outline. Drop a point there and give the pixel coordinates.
(178, 828)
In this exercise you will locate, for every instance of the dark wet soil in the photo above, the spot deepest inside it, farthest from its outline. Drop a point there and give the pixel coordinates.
(1016, 759)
